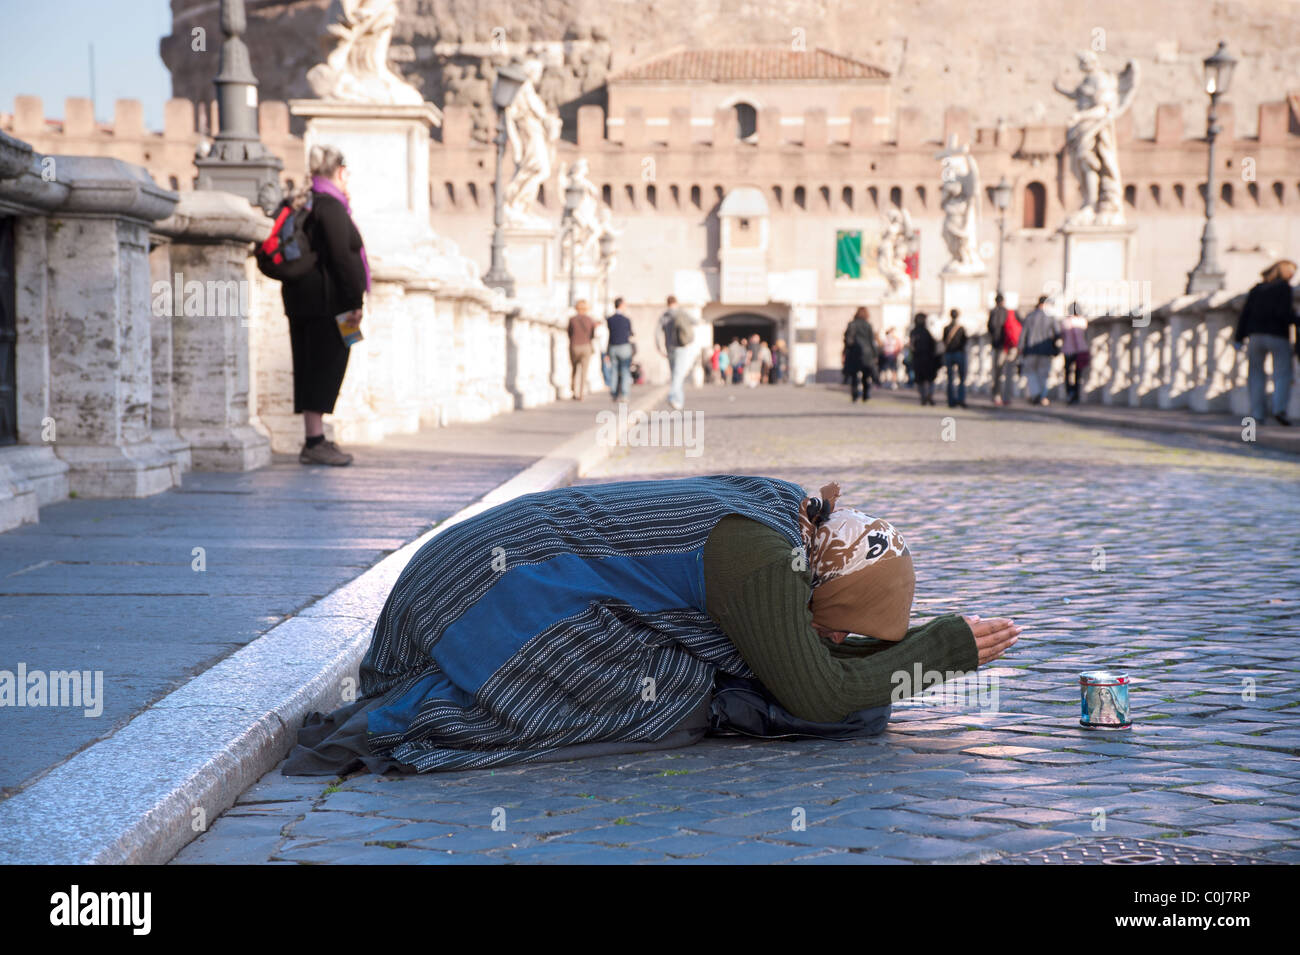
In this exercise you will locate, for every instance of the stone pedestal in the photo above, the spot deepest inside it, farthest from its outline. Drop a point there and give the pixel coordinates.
(18, 501)
(964, 291)
(1098, 268)
(207, 298)
(532, 258)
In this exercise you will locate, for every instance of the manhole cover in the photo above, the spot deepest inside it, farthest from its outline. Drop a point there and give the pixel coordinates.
(1120, 851)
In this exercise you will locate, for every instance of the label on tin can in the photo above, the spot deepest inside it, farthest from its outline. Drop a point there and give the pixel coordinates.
(1103, 700)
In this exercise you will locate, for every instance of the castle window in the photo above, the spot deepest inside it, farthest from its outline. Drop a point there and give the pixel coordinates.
(848, 255)
(1180, 194)
(1131, 195)
(825, 193)
(777, 193)
(920, 195)
(629, 192)
(1279, 191)
(1155, 194)
(1253, 189)
(874, 193)
(800, 197)
(846, 196)
(1035, 214)
(896, 197)
(746, 122)
(652, 196)
(607, 194)
(695, 196)
(1226, 193)
(473, 192)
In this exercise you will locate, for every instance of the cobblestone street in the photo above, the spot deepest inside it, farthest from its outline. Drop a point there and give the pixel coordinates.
(1166, 557)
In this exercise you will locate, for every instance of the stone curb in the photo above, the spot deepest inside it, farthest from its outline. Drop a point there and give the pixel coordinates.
(142, 794)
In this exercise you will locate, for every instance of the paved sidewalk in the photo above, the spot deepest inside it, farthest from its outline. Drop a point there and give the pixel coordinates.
(112, 586)
(1168, 556)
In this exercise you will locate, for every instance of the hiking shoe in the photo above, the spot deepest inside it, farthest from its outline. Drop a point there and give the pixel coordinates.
(327, 452)
(1283, 420)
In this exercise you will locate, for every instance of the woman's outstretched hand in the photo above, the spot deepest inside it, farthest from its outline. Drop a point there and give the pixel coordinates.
(993, 637)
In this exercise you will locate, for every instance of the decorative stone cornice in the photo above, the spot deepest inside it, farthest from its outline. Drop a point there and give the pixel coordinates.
(112, 187)
(212, 216)
(16, 156)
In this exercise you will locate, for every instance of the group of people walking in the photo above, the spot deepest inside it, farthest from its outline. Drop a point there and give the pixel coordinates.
(1019, 348)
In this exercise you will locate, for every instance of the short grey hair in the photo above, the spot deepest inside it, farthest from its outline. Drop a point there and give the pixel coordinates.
(324, 161)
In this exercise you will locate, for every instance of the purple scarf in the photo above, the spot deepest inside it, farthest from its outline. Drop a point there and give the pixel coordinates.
(320, 184)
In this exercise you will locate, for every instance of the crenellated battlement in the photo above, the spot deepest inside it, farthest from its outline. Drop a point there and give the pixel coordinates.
(804, 163)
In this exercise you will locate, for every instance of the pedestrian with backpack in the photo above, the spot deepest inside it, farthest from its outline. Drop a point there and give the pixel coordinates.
(675, 336)
(323, 289)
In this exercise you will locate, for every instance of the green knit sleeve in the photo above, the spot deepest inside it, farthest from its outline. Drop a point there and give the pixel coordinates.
(764, 611)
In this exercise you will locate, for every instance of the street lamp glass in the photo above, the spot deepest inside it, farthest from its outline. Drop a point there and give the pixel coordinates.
(572, 198)
(509, 81)
(1002, 195)
(1218, 70)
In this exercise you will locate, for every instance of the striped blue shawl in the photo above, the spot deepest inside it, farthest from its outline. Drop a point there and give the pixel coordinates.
(538, 624)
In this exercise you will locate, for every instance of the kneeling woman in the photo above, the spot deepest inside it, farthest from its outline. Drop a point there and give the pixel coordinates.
(594, 620)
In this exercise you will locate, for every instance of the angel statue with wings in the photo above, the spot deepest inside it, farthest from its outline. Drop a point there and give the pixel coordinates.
(1099, 99)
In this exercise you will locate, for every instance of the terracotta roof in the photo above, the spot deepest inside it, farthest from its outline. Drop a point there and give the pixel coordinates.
(750, 63)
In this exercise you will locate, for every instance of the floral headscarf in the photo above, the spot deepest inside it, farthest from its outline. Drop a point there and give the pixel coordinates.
(863, 578)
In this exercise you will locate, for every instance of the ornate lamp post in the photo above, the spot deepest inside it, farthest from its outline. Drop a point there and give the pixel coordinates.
(1002, 200)
(1207, 276)
(572, 199)
(608, 249)
(508, 82)
(237, 161)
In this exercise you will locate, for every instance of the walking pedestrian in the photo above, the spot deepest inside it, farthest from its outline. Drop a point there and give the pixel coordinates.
(620, 351)
(780, 362)
(954, 359)
(1078, 356)
(925, 359)
(582, 329)
(724, 364)
(997, 334)
(675, 338)
(1265, 325)
(737, 350)
(314, 304)
(1038, 346)
(860, 354)
(753, 361)
(765, 363)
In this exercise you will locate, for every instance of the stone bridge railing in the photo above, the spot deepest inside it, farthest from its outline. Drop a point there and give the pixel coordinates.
(1180, 356)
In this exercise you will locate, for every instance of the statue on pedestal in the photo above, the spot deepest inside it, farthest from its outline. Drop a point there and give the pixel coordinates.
(1099, 99)
(357, 69)
(583, 236)
(895, 244)
(533, 133)
(959, 199)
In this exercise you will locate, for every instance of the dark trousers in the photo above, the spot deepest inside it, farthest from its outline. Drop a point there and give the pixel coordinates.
(1073, 377)
(320, 360)
(864, 374)
(955, 364)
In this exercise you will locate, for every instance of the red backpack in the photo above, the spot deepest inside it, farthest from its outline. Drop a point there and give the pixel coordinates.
(1011, 330)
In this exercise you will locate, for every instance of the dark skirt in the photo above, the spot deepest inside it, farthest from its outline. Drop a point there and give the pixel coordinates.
(319, 360)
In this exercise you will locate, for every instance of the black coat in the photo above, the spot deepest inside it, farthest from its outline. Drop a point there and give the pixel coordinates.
(1269, 310)
(338, 282)
(925, 361)
(859, 345)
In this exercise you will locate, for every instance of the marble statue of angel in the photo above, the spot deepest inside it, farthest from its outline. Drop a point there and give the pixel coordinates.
(584, 229)
(532, 132)
(895, 243)
(356, 70)
(1099, 99)
(959, 199)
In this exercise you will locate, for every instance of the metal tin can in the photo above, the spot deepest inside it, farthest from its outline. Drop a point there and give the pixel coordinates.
(1103, 700)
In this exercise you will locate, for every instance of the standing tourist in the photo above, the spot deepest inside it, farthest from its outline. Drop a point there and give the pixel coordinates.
(1038, 346)
(890, 350)
(1265, 326)
(925, 359)
(724, 364)
(737, 351)
(314, 303)
(1074, 345)
(582, 328)
(780, 362)
(620, 351)
(765, 362)
(954, 359)
(860, 354)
